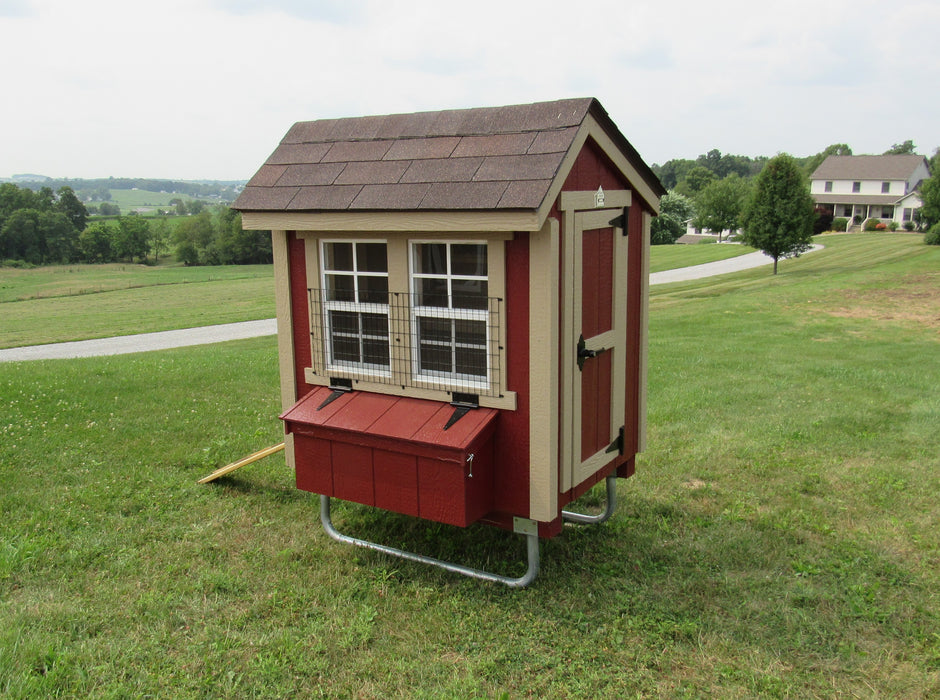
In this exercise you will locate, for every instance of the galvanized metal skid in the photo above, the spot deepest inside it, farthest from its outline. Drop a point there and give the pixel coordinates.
(521, 525)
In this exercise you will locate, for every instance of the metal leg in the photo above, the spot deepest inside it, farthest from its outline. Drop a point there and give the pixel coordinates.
(600, 517)
(532, 547)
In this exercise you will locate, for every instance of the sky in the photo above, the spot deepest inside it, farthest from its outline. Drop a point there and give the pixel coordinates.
(205, 89)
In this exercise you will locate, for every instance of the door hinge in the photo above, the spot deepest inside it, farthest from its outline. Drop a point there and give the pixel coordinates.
(616, 445)
(621, 221)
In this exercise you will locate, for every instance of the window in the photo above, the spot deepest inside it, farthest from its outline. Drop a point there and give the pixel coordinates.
(908, 214)
(355, 304)
(887, 212)
(409, 315)
(450, 288)
(885, 187)
(856, 187)
(828, 186)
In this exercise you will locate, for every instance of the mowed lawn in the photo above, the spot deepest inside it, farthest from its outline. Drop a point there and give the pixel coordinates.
(778, 540)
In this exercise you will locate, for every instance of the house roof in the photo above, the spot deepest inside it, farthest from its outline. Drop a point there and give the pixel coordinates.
(465, 159)
(893, 167)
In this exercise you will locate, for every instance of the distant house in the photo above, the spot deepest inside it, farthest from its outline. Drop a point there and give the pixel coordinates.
(870, 187)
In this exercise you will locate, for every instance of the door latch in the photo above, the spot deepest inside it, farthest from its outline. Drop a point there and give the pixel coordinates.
(584, 353)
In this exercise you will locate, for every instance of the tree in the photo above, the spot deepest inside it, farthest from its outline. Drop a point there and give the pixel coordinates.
(131, 238)
(901, 149)
(695, 181)
(835, 149)
(95, 243)
(929, 212)
(778, 216)
(69, 204)
(675, 210)
(159, 236)
(719, 205)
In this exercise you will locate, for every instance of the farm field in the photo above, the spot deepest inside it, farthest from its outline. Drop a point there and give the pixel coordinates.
(78, 302)
(778, 539)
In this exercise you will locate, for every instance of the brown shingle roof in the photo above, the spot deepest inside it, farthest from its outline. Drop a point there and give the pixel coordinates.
(485, 158)
(891, 167)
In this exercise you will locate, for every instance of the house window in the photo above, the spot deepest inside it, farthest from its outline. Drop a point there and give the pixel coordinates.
(847, 210)
(908, 214)
(828, 186)
(885, 187)
(856, 187)
(450, 305)
(887, 212)
(355, 304)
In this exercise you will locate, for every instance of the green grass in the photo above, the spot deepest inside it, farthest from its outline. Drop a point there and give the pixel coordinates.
(778, 540)
(77, 302)
(669, 257)
(129, 200)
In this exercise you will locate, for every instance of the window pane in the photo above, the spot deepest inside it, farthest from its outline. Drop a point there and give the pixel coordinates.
(371, 257)
(470, 361)
(373, 290)
(337, 256)
(470, 294)
(340, 288)
(344, 322)
(432, 292)
(375, 325)
(470, 332)
(468, 259)
(345, 349)
(434, 330)
(375, 352)
(431, 259)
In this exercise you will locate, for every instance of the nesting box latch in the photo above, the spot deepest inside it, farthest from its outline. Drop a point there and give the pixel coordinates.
(463, 404)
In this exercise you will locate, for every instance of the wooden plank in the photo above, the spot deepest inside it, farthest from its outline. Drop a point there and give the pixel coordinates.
(250, 459)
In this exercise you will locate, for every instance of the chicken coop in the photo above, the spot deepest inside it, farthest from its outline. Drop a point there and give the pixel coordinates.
(461, 310)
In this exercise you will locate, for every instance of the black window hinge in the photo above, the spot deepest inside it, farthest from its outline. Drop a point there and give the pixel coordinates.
(340, 386)
(463, 404)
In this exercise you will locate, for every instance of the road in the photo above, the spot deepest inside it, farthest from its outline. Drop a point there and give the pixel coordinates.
(166, 340)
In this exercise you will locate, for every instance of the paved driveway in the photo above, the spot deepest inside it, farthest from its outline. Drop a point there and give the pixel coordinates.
(166, 340)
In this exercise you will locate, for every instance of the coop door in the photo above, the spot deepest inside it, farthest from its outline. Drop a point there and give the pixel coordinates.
(597, 270)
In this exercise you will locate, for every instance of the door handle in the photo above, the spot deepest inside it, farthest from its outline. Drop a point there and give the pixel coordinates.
(584, 353)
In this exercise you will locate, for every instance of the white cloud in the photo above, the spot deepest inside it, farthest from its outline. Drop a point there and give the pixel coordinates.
(206, 88)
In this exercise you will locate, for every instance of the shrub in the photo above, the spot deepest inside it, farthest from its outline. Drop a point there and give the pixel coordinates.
(892, 225)
(871, 225)
(908, 225)
(932, 237)
(881, 226)
(840, 224)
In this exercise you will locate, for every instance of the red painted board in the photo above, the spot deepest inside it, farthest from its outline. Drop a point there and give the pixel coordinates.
(353, 479)
(396, 482)
(314, 470)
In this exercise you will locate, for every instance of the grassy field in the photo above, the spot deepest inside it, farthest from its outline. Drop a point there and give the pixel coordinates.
(778, 540)
(130, 200)
(669, 257)
(77, 302)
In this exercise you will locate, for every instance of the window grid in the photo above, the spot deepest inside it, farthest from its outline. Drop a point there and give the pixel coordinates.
(442, 348)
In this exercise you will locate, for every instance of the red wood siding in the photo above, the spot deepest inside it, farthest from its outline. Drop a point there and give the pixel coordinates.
(393, 452)
(300, 310)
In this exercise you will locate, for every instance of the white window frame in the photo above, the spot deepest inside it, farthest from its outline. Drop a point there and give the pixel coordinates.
(355, 306)
(454, 378)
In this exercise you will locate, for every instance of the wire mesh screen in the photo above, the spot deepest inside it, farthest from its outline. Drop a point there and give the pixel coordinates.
(423, 340)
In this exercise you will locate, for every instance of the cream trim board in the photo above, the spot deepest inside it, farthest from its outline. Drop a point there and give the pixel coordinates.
(442, 223)
(506, 402)
(544, 249)
(644, 335)
(285, 335)
(584, 201)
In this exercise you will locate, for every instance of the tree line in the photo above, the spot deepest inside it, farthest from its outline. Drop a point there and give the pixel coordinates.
(47, 226)
(713, 192)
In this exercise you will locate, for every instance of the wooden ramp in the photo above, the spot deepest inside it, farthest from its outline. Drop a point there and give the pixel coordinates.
(222, 471)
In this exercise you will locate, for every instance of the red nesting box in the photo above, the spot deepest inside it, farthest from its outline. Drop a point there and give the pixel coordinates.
(461, 300)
